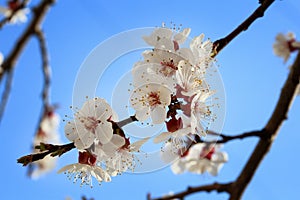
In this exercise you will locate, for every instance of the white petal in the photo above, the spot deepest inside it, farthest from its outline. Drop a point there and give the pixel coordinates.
(213, 169)
(138, 144)
(220, 157)
(71, 131)
(165, 95)
(178, 167)
(87, 138)
(195, 151)
(296, 44)
(196, 42)
(111, 147)
(181, 37)
(66, 168)
(158, 115)
(118, 141)
(142, 114)
(79, 145)
(162, 137)
(103, 110)
(157, 35)
(187, 55)
(101, 175)
(182, 132)
(104, 132)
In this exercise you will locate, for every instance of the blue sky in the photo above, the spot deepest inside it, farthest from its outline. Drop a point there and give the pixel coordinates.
(252, 77)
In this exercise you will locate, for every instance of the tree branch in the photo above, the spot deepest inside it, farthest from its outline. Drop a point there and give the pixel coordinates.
(129, 120)
(9, 63)
(190, 190)
(39, 13)
(6, 92)
(46, 149)
(286, 98)
(228, 138)
(259, 12)
(45, 66)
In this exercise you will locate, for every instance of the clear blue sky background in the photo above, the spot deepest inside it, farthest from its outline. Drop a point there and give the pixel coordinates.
(252, 76)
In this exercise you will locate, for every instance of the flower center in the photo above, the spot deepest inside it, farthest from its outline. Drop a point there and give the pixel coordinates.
(168, 68)
(153, 99)
(90, 123)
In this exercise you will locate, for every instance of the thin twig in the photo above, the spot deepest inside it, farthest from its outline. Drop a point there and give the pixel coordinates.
(45, 67)
(47, 149)
(9, 63)
(205, 188)
(259, 12)
(227, 138)
(127, 121)
(39, 13)
(6, 92)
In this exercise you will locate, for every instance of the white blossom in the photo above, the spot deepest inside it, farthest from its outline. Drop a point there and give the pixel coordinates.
(205, 158)
(87, 166)
(199, 52)
(177, 135)
(84, 173)
(198, 159)
(164, 38)
(200, 113)
(285, 44)
(20, 16)
(151, 73)
(124, 158)
(189, 79)
(47, 133)
(90, 124)
(151, 100)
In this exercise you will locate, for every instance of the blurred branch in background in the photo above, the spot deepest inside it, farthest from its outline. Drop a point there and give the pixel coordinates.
(39, 12)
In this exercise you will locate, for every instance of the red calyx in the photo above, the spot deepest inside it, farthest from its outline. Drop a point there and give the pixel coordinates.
(127, 143)
(87, 158)
(291, 48)
(184, 153)
(176, 45)
(207, 152)
(13, 4)
(174, 124)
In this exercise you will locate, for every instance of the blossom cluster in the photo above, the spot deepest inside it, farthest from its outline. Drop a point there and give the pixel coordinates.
(198, 159)
(104, 150)
(169, 88)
